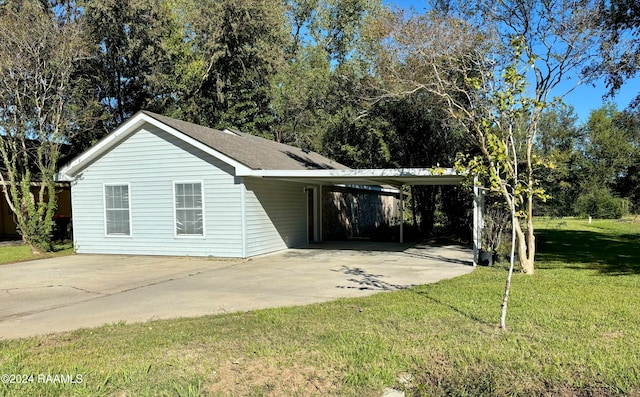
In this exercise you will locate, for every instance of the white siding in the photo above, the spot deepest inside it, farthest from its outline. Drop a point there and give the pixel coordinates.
(150, 161)
(276, 215)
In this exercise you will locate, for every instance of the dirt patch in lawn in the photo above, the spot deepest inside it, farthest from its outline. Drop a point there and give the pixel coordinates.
(263, 377)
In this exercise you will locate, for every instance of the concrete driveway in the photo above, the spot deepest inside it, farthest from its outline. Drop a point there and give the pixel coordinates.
(67, 293)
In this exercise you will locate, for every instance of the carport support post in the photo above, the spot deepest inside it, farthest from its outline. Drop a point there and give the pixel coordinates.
(478, 218)
(401, 215)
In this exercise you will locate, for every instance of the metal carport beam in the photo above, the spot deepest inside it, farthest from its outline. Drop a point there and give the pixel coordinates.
(375, 176)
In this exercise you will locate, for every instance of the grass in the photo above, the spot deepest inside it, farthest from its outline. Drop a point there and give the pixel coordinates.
(573, 329)
(22, 253)
(610, 247)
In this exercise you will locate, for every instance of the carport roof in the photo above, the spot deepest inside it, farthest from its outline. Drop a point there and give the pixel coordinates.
(385, 176)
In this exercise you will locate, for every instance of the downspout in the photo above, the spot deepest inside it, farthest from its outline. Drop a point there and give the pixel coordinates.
(401, 215)
(73, 234)
(478, 218)
(319, 205)
(243, 217)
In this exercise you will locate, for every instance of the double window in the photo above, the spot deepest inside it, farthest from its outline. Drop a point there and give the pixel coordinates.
(117, 210)
(188, 208)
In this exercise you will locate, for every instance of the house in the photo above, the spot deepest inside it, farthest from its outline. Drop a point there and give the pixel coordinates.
(161, 186)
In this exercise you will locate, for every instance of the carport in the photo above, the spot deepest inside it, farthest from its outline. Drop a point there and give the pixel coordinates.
(394, 177)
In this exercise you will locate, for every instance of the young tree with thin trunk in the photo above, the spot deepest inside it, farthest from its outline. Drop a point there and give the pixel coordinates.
(38, 54)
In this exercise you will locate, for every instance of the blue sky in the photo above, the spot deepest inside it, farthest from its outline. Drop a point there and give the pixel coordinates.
(584, 98)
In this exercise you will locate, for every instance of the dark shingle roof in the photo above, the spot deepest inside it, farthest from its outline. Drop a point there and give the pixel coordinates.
(254, 152)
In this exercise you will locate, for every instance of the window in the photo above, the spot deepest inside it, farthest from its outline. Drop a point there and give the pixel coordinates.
(188, 204)
(117, 210)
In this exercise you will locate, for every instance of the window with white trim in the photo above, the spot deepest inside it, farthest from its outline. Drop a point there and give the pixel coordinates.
(117, 210)
(188, 208)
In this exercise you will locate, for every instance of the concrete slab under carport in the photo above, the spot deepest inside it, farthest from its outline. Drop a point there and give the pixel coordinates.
(67, 293)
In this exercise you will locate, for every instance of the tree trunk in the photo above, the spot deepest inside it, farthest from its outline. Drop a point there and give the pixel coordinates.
(507, 287)
(414, 206)
(35, 250)
(525, 257)
(428, 210)
(531, 248)
(524, 241)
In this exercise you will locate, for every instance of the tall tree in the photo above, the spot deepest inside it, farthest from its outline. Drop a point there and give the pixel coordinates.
(423, 138)
(315, 94)
(609, 150)
(130, 63)
(360, 141)
(333, 25)
(628, 182)
(234, 47)
(299, 99)
(620, 44)
(494, 65)
(39, 53)
(561, 141)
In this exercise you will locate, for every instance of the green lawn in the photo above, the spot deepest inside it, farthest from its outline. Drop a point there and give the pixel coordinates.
(22, 252)
(574, 330)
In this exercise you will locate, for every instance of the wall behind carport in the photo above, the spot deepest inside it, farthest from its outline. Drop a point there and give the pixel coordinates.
(349, 213)
(276, 215)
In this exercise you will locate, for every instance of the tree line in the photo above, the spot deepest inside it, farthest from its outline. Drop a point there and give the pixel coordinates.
(597, 170)
(356, 80)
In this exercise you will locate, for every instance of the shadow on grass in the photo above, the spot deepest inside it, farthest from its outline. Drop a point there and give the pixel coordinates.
(611, 254)
(449, 306)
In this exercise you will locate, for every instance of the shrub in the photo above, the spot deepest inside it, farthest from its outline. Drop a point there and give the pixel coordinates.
(599, 204)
